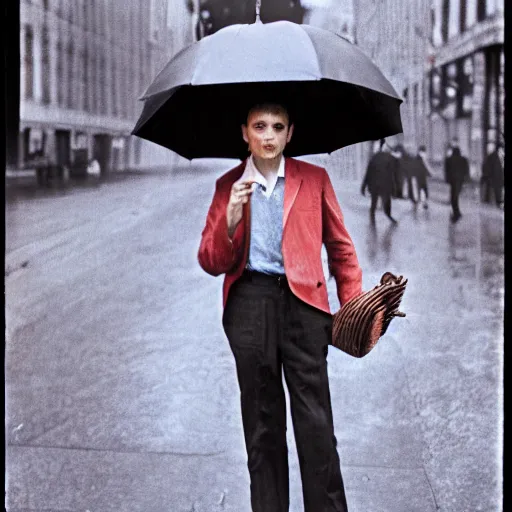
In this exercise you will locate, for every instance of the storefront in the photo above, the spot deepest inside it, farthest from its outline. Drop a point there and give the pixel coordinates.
(467, 102)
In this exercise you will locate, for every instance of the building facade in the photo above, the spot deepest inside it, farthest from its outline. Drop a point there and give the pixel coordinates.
(395, 35)
(466, 78)
(83, 66)
(338, 17)
(445, 57)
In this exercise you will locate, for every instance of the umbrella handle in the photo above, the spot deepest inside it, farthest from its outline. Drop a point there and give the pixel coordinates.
(258, 6)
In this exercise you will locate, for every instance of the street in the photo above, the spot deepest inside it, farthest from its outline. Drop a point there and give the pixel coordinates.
(121, 392)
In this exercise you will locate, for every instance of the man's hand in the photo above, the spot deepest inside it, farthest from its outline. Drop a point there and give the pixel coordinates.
(240, 194)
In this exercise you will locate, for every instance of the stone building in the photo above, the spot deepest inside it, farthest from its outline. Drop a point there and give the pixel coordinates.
(83, 66)
(466, 78)
(445, 57)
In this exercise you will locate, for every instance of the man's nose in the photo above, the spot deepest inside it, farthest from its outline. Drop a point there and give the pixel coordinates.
(269, 134)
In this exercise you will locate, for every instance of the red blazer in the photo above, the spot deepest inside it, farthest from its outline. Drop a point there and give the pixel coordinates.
(312, 217)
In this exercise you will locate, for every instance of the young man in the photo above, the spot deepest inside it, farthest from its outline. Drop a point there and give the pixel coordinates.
(265, 228)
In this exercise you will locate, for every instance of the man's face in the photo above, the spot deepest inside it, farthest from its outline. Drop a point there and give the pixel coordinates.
(267, 133)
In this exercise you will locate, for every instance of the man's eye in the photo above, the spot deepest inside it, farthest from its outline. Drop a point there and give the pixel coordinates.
(279, 127)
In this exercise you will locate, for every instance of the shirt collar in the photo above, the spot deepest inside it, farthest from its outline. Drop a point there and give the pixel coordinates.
(251, 173)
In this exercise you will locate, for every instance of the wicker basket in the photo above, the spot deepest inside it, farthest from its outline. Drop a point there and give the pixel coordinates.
(360, 322)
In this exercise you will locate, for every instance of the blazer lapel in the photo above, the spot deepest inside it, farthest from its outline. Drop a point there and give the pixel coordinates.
(245, 231)
(292, 182)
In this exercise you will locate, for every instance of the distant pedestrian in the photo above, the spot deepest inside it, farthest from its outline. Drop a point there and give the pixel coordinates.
(454, 143)
(456, 170)
(492, 180)
(407, 167)
(379, 180)
(398, 175)
(93, 168)
(421, 175)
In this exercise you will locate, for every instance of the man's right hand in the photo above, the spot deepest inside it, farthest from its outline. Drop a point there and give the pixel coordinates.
(240, 193)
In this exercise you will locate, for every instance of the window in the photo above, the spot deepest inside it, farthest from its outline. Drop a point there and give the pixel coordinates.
(462, 16)
(46, 66)
(103, 86)
(94, 84)
(465, 92)
(71, 63)
(29, 62)
(445, 19)
(114, 89)
(480, 12)
(85, 15)
(86, 86)
(60, 73)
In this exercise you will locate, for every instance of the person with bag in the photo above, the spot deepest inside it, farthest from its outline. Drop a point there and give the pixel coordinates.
(264, 230)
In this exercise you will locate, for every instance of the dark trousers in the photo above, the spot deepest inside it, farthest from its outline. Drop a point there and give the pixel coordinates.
(386, 205)
(498, 194)
(270, 330)
(454, 200)
(423, 187)
(410, 190)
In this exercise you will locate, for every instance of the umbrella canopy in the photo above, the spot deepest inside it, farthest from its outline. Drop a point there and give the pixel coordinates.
(335, 94)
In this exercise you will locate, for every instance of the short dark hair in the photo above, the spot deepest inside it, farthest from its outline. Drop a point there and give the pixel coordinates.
(271, 106)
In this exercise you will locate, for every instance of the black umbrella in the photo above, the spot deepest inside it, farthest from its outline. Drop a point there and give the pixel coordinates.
(335, 94)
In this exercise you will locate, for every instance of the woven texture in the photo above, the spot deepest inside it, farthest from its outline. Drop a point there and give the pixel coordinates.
(359, 324)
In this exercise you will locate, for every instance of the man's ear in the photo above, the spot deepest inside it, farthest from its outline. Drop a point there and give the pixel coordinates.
(290, 133)
(244, 133)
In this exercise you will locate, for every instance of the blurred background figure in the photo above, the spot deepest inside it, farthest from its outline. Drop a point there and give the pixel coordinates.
(421, 175)
(492, 180)
(406, 171)
(456, 171)
(379, 180)
(454, 143)
(398, 174)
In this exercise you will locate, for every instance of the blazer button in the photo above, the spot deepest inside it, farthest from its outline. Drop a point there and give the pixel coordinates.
(318, 284)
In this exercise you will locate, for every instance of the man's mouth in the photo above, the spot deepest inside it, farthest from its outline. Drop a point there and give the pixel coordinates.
(269, 147)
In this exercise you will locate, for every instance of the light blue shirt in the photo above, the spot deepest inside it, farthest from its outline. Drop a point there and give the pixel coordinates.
(267, 206)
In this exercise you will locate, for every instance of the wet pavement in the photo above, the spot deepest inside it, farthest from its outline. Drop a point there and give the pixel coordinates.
(121, 392)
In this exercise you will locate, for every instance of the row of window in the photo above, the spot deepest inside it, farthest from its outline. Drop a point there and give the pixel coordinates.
(483, 8)
(84, 85)
(103, 17)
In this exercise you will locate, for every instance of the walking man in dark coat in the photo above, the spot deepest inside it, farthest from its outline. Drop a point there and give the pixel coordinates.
(379, 181)
(456, 171)
(407, 170)
(492, 175)
(421, 174)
